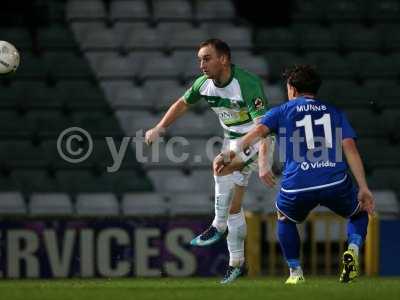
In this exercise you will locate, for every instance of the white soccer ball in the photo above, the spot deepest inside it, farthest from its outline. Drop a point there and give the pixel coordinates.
(9, 58)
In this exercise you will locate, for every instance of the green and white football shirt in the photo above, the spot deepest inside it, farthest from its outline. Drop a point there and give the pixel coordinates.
(237, 103)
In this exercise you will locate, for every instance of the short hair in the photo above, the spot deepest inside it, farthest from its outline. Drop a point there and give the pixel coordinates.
(304, 78)
(220, 46)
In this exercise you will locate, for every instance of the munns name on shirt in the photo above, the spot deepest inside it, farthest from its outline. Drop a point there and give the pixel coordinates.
(310, 107)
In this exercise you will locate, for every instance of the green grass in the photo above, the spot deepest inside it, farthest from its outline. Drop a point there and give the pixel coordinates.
(199, 288)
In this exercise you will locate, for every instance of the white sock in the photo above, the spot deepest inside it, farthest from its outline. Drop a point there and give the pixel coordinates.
(236, 234)
(354, 247)
(224, 188)
(296, 272)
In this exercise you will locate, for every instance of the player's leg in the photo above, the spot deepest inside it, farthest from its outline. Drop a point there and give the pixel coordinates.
(224, 191)
(356, 233)
(343, 201)
(357, 230)
(237, 230)
(289, 241)
(292, 208)
(236, 220)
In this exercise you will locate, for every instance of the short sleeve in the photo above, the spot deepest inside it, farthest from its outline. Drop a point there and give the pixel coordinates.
(271, 119)
(192, 95)
(347, 130)
(257, 102)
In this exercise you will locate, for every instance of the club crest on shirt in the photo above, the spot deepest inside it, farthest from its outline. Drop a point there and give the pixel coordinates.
(258, 103)
(235, 104)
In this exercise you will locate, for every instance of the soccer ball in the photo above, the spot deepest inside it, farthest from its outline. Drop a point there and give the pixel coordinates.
(9, 58)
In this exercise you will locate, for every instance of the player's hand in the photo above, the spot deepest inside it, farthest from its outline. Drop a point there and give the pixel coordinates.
(267, 177)
(153, 134)
(366, 200)
(222, 160)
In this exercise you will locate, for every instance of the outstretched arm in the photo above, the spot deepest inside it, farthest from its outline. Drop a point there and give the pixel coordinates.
(259, 133)
(174, 112)
(264, 162)
(252, 137)
(264, 167)
(354, 160)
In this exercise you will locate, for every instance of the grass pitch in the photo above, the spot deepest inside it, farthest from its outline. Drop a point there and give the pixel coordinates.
(199, 288)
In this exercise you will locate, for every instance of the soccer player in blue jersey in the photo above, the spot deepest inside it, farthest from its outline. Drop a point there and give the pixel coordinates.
(315, 135)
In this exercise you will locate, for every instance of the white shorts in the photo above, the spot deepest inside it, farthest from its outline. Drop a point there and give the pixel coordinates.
(249, 157)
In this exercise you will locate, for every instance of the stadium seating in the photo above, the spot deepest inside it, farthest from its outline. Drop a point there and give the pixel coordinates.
(134, 121)
(175, 181)
(47, 204)
(124, 94)
(195, 125)
(383, 11)
(276, 38)
(387, 205)
(136, 10)
(19, 36)
(97, 205)
(114, 70)
(172, 10)
(189, 204)
(55, 89)
(19, 152)
(214, 10)
(313, 38)
(144, 204)
(12, 203)
(91, 9)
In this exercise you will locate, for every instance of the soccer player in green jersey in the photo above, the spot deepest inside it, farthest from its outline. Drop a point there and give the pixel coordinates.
(238, 98)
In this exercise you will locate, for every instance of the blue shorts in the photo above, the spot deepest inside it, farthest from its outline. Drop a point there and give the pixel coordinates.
(341, 199)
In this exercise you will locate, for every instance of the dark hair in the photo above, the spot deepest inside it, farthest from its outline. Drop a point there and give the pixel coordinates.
(304, 78)
(220, 46)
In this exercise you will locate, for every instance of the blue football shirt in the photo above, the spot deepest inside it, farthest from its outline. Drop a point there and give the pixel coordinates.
(310, 134)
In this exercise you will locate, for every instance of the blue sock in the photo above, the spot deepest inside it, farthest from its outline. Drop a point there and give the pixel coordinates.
(289, 240)
(357, 228)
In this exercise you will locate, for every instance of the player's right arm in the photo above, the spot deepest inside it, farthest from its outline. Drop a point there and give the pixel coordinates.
(365, 196)
(176, 110)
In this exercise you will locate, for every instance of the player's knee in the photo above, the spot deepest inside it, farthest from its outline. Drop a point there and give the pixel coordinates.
(235, 208)
(215, 166)
(229, 168)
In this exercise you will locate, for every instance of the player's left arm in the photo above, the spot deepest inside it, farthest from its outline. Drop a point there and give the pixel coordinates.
(257, 109)
(264, 165)
(252, 137)
(354, 160)
(269, 123)
(259, 132)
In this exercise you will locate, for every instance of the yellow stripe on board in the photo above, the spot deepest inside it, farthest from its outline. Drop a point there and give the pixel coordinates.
(372, 247)
(253, 243)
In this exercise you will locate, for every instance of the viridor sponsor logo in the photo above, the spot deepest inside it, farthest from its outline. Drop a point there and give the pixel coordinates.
(305, 166)
(323, 164)
(316, 165)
